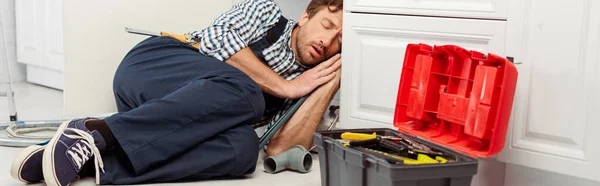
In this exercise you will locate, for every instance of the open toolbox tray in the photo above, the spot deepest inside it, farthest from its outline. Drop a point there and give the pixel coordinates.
(345, 166)
(453, 100)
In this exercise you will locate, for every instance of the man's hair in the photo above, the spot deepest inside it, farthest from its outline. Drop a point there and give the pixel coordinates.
(316, 5)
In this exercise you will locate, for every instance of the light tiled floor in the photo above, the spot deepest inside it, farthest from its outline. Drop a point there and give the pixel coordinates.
(39, 103)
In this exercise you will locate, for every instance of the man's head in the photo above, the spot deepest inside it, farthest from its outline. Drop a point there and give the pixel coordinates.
(319, 33)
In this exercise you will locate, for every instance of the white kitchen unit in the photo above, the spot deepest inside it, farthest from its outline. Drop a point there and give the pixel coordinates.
(554, 123)
(374, 47)
(40, 41)
(17, 70)
(488, 9)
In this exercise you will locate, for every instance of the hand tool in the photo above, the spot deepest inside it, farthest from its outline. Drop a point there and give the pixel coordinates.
(421, 158)
(378, 141)
(395, 159)
(361, 136)
(142, 32)
(365, 142)
(182, 38)
(441, 159)
(392, 159)
(412, 145)
(415, 144)
(346, 143)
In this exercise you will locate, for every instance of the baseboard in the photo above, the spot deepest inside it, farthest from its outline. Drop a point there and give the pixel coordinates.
(517, 175)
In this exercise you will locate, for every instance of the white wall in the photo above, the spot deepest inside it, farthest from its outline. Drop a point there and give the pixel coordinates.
(95, 42)
(7, 9)
(292, 9)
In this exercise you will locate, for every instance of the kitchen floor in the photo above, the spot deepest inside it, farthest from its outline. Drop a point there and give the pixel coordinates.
(39, 103)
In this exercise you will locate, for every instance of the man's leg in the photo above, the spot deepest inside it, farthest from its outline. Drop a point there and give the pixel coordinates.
(180, 99)
(232, 153)
(299, 129)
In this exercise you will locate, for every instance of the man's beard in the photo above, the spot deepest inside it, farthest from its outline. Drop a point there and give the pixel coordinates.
(303, 47)
(300, 42)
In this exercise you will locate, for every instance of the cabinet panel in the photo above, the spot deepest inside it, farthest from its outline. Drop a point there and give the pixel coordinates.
(40, 41)
(555, 118)
(373, 53)
(53, 53)
(487, 9)
(28, 14)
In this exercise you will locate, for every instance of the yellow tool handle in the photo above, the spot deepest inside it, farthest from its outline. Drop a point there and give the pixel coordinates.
(358, 136)
(441, 159)
(182, 38)
(390, 155)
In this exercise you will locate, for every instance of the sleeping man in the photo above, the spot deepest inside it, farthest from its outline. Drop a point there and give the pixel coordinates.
(187, 113)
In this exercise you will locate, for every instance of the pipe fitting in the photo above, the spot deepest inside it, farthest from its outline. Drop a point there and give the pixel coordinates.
(297, 158)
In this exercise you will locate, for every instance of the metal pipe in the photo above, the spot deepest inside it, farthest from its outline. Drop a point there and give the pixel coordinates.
(9, 93)
(25, 142)
(32, 124)
(19, 142)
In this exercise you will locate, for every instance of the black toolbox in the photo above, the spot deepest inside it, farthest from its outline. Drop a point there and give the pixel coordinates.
(452, 100)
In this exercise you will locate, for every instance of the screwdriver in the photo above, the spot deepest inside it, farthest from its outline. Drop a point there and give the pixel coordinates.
(361, 136)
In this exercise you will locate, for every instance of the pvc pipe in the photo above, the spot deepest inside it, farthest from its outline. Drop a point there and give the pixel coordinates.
(297, 158)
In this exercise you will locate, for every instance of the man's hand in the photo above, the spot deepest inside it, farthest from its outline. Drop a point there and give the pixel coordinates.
(336, 81)
(315, 77)
(299, 129)
(269, 81)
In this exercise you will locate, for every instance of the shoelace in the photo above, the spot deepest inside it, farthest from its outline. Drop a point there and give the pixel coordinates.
(80, 151)
(88, 141)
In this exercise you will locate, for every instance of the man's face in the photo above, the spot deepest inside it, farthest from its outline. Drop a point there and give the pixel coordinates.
(319, 37)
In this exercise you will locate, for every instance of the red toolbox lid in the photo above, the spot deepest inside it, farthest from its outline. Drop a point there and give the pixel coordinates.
(457, 98)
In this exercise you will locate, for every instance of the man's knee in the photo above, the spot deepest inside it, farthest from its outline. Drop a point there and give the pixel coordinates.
(248, 88)
(245, 144)
(257, 100)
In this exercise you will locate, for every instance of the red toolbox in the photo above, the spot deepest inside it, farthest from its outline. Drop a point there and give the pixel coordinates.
(453, 100)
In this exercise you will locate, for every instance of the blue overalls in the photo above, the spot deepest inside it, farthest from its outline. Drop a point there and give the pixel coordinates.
(184, 116)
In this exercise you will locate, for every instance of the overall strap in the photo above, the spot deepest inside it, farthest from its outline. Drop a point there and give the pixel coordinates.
(272, 36)
(272, 103)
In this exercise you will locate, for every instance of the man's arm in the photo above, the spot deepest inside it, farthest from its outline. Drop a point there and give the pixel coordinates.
(228, 36)
(299, 129)
(227, 39)
(233, 30)
(272, 83)
(267, 79)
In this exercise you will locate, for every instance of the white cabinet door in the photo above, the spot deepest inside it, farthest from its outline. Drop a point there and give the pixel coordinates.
(373, 54)
(29, 43)
(486, 9)
(556, 119)
(40, 41)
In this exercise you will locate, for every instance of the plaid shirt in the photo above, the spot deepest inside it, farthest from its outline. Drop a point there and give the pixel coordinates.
(245, 23)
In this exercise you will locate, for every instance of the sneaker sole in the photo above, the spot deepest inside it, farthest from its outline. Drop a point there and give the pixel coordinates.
(19, 162)
(48, 157)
